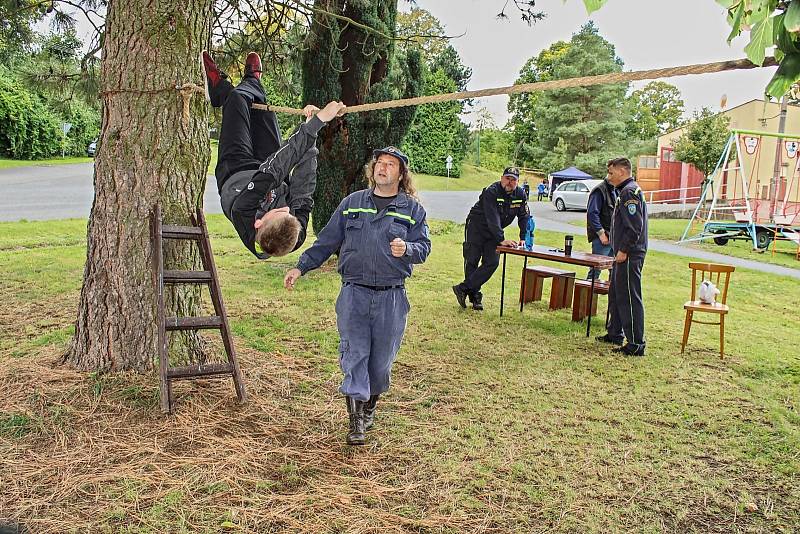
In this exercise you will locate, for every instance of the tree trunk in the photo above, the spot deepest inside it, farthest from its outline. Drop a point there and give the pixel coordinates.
(149, 153)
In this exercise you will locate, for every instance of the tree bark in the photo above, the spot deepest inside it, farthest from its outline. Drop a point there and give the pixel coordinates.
(148, 153)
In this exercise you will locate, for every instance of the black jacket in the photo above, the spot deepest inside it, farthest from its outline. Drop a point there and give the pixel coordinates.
(629, 223)
(601, 203)
(287, 178)
(496, 209)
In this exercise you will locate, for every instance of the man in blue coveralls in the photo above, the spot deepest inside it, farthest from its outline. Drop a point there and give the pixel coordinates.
(380, 232)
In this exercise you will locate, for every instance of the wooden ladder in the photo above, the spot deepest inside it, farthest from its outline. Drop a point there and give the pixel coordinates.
(197, 232)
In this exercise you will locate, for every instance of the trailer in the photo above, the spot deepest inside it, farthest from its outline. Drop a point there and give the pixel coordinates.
(736, 204)
(722, 232)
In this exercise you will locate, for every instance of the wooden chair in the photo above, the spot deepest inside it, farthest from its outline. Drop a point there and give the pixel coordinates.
(561, 293)
(707, 272)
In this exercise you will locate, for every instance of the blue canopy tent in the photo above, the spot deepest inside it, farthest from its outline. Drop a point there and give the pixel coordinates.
(567, 175)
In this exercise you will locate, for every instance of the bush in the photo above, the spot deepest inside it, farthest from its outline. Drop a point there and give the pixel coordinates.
(496, 149)
(436, 131)
(28, 128)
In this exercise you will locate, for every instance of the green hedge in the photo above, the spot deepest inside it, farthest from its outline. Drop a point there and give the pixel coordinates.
(28, 128)
(30, 124)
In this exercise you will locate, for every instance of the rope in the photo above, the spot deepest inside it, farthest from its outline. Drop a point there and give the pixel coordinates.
(584, 81)
(187, 90)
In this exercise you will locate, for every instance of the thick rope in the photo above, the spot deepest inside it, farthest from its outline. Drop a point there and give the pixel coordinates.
(187, 90)
(584, 81)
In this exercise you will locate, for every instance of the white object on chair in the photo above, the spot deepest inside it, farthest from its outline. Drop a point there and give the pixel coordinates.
(707, 292)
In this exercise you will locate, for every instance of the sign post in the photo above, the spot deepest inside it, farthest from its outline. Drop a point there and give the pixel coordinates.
(65, 127)
(449, 165)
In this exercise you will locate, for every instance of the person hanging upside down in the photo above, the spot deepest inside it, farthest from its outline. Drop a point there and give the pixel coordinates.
(265, 187)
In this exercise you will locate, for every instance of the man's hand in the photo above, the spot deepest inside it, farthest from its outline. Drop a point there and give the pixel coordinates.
(604, 238)
(333, 109)
(509, 243)
(398, 247)
(309, 111)
(291, 277)
(621, 257)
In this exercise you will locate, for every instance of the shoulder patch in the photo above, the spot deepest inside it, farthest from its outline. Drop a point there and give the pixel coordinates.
(631, 207)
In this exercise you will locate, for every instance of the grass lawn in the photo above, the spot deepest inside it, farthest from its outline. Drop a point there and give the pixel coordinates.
(513, 424)
(672, 230)
(472, 179)
(9, 163)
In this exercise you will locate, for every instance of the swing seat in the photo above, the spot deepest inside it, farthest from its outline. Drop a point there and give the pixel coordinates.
(784, 220)
(743, 216)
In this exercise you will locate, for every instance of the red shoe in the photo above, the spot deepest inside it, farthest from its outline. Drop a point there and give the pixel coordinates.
(213, 77)
(252, 65)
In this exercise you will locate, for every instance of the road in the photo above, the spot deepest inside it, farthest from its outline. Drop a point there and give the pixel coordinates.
(66, 191)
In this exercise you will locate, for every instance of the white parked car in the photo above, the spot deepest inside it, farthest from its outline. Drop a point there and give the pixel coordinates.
(574, 194)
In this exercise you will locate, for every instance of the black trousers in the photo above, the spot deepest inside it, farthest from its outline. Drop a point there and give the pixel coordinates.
(625, 305)
(480, 260)
(248, 136)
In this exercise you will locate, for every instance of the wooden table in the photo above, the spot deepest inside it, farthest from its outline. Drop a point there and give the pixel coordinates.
(552, 254)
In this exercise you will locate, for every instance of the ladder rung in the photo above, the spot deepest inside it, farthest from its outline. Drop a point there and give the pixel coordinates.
(199, 371)
(187, 277)
(192, 323)
(169, 231)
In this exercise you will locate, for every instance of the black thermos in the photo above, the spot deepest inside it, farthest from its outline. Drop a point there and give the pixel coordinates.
(568, 245)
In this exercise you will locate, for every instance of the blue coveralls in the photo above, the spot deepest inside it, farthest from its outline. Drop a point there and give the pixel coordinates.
(629, 235)
(372, 306)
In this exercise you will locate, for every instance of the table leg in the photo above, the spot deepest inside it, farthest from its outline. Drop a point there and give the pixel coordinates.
(524, 269)
(503, 284)
(591, 301)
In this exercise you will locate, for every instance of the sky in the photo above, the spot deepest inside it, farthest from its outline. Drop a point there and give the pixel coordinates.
(647, 34)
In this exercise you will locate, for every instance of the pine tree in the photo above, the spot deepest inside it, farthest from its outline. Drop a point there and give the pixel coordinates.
(589, 121)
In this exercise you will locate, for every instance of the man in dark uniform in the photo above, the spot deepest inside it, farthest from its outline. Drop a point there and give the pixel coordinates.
(265, 188)
(497, 206)
(629, 246)
(598, 221)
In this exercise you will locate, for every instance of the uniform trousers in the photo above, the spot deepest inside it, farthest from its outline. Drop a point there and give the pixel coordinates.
(625, 305)
(478, 249)
(371, 324)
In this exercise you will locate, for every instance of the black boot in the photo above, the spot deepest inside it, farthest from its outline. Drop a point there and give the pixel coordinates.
(355, 409)
(461, 295)
(369, 411)
(477, 301)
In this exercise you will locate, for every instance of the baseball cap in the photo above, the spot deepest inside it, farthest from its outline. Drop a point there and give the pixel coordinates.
(511, 171)
(391, 151)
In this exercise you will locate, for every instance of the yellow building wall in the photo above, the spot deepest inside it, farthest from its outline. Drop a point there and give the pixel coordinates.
(759, 167)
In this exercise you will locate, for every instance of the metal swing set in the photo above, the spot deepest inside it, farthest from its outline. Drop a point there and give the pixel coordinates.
(730, 207)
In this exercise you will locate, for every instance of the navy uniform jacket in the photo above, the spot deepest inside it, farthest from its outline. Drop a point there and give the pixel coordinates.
(629, 223)
(287, 178)
(496, 209)
(362, 234)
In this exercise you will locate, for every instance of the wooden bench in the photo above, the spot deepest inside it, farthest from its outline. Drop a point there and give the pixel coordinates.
(533, 281)
(580, 303)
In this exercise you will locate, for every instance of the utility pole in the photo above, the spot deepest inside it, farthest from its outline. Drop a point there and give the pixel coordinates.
(776, 174)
